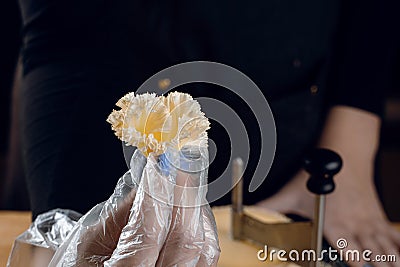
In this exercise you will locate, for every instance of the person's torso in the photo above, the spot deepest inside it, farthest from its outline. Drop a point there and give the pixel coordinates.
(282, 45)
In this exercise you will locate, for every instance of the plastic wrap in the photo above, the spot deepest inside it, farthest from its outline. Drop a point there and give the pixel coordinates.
(157, 216)
(36, 246)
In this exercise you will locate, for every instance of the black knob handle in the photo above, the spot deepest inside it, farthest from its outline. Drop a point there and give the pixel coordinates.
(322, 164)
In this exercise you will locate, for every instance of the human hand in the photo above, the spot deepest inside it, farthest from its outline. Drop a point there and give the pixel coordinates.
(140, 226)
(353, 212)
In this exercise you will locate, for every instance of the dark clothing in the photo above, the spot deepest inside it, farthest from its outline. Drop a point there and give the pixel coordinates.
(80, 57)
(10, 24)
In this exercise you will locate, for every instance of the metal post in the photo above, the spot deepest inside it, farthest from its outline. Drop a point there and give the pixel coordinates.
(237, 199)
(318, 227)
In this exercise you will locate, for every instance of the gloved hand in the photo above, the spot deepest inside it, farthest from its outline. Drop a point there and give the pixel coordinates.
(157, 216)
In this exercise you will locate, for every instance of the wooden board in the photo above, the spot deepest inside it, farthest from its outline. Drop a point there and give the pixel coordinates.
(12, 224)
(241, 253)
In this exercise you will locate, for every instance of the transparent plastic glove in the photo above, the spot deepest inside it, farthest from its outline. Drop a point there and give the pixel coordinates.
(171, 198)
(141, 223)
(192, 239)
(95, 237)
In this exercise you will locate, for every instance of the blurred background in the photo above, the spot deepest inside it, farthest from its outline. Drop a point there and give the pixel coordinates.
(12, 185)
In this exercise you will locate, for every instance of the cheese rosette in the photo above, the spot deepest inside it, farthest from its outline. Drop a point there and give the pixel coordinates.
(158, 214)
(151, 123)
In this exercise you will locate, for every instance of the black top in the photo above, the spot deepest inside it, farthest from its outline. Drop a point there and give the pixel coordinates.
(304, 55)
(291, 39)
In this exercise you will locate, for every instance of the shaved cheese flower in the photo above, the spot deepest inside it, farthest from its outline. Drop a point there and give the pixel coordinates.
(152, 123)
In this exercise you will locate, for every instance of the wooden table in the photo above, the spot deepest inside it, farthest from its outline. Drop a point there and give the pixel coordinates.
(13, 224)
